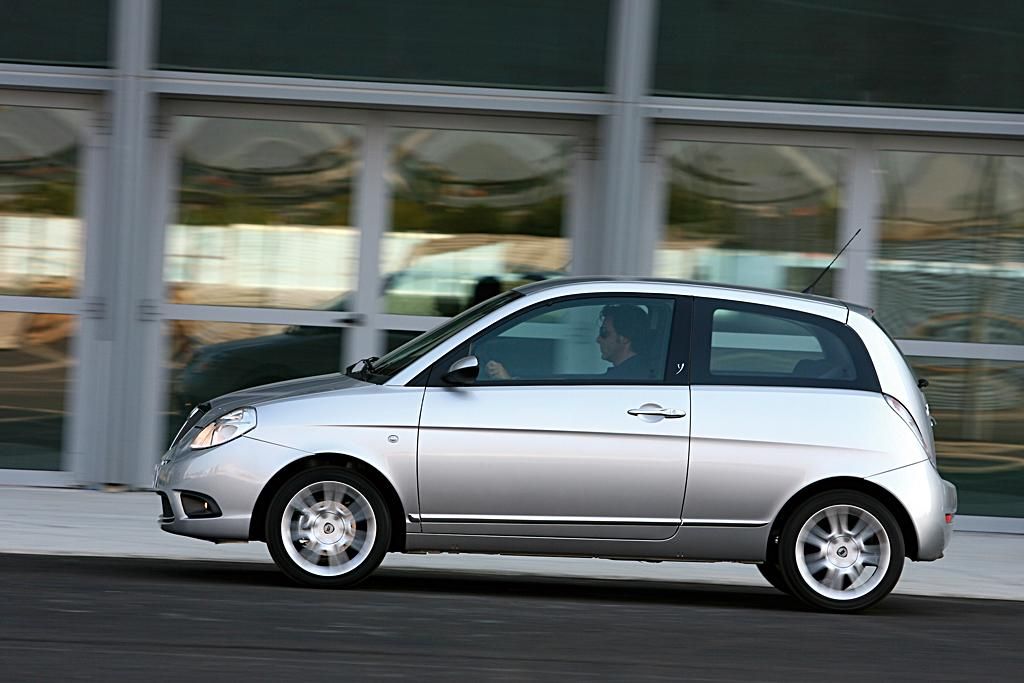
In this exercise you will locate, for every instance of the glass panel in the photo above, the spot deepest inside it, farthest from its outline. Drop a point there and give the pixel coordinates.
(69, 32)
(745, 343)
(35, 370)
(756, 215)
(759, 345)
(395, 362)
(473, 214)
(263, 214)
(208, 359)
(549, 44)
(614, 339)
(40, 231)
(950, 260)
(979, 432)
(941, 53)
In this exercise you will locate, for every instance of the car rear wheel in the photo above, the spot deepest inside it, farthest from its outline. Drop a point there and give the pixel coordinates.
(328, 527)
(841, 551)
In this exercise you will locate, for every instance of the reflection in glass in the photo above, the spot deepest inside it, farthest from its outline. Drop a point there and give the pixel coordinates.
(757, 215)
(950, 263)
(208, 359)
(473, 214)
(395, 338)
(979, 432)
(263, 214)
(40, 231)
(35, 369)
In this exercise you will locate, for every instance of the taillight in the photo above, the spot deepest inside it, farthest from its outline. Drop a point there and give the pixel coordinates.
(902, 411)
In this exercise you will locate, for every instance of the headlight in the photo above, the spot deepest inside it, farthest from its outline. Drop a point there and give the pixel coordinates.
(226, 428)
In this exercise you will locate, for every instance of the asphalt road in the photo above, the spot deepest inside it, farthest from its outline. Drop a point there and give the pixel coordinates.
(117, 619)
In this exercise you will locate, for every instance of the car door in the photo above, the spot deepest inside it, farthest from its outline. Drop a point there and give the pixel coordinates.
(780, 397)
(564, 442)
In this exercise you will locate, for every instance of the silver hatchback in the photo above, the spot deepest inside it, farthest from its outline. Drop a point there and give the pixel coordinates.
(629, 419)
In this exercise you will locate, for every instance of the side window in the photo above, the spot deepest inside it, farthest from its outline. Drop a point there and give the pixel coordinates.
(583, 340)
(746, 344)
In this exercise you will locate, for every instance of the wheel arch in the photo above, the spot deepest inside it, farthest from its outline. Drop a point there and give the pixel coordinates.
(854, 483)
(391, 497)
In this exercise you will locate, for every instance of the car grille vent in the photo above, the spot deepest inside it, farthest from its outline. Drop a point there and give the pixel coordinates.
(166, 513)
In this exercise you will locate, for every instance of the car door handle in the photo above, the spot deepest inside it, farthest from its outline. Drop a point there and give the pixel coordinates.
(658, 412)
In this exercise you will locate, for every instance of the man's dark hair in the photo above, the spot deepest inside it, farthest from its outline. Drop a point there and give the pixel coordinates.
(631, 322)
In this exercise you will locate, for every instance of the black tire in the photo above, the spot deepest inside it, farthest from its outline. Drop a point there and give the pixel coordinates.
(328, 534)
(820, 560)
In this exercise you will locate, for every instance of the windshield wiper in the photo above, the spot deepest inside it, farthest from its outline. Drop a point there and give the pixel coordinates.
(364, 371)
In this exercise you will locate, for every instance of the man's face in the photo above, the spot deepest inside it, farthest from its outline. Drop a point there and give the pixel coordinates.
(613, 345)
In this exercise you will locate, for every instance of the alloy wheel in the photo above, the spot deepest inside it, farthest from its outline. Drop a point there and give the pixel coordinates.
(328, 528)
(842, 552)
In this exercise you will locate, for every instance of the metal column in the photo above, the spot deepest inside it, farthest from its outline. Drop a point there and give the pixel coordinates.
(627, 161)
(129, 272)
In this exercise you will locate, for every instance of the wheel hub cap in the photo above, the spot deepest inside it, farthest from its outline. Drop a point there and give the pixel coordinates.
(333, 525)
(842, 552)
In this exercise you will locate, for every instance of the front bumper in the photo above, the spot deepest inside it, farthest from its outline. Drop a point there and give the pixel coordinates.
(929, 500)
(231, 475)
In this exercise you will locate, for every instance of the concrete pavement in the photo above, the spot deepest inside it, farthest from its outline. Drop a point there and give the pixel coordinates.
(50, 521)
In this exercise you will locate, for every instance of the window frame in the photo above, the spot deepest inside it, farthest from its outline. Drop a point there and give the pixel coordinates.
(677, 343)
(703, 328)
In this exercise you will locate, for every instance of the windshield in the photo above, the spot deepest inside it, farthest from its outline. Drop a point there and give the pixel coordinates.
(396, 361)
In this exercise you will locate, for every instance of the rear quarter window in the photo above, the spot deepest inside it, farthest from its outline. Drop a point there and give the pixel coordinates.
(748, 344)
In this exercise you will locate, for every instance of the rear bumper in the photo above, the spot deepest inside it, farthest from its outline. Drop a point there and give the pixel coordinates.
(928, 499)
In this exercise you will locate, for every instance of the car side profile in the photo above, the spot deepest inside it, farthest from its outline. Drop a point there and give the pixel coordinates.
(599, 417)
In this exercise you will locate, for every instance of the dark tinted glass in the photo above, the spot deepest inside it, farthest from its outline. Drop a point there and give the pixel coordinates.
(745, 344)
(934, 53)
(70, 32)
(556, 44)
(36, 374)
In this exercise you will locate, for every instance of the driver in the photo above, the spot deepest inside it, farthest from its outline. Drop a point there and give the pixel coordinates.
(621, 339)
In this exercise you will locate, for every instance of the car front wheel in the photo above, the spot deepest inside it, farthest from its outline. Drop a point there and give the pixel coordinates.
(841, 551)
(328, 527)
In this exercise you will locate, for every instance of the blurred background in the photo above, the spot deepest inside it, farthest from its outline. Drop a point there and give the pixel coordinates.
(202, 195)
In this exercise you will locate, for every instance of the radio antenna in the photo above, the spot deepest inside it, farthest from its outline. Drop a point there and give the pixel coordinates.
(810, 287)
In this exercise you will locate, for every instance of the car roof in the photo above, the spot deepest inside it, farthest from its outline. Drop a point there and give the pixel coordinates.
(711, 287)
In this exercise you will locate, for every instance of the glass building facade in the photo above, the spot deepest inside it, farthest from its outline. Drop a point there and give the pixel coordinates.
(201, 196)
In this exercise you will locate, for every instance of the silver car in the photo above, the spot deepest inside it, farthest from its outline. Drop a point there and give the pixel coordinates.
(628, 419)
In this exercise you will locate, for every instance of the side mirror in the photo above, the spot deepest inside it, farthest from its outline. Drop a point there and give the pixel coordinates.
(463, 372)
